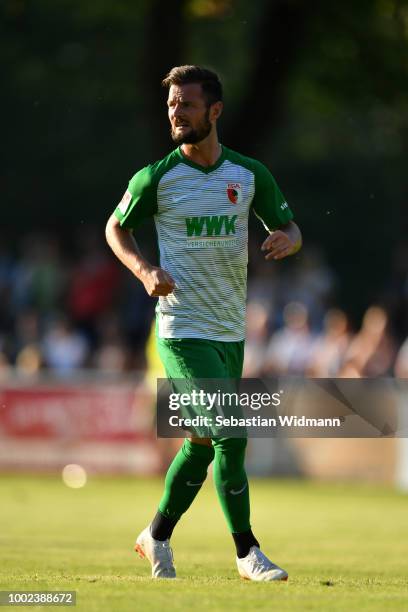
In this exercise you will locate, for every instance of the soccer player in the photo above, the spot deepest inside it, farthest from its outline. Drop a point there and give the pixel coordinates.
(200, 197)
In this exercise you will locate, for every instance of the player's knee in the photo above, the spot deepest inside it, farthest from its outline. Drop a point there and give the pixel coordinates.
(198, 452)
(230, 445)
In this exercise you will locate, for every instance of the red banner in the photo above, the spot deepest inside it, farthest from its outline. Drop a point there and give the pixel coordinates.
(47, 425)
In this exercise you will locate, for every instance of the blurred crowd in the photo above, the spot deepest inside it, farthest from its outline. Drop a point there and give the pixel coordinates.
(67, 306)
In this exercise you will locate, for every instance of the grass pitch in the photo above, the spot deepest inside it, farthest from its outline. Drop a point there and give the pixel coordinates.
(345, 546)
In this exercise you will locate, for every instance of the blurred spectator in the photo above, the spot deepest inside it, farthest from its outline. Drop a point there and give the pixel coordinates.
(310, 282)
(27, 330)
(39, 277)
(93, 284)
(264, 278)
(29, 361)
(256, 339)
(6, 276)
(330, 347)
(136, 312)
(290, 348)
(397, 289)
(372, 351)
(401, 364)
(5, 366)
(64, 349)
(111, 356)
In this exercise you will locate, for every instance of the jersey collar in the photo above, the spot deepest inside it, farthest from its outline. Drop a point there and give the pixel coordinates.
(205, 169)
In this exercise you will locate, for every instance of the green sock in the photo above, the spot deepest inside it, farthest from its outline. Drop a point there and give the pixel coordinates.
(184, 478)
(231, 482)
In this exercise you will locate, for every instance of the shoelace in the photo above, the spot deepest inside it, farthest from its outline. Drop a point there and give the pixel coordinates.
(258, 565)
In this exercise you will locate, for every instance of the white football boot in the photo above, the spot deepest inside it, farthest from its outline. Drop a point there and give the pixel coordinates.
(256, 566)
(158, 552)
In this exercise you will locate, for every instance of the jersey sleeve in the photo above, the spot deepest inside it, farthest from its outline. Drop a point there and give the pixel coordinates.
(268, 202)
(139, 201)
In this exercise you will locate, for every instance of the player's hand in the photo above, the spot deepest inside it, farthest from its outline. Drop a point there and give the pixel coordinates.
(158, 282)
(278, 245)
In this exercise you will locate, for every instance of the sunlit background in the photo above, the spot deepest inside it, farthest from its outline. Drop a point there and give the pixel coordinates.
(318, 92)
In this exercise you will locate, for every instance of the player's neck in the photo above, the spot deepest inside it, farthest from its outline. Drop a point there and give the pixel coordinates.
(204, 153)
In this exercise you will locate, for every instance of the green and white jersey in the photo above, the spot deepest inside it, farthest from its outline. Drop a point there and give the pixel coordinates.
(201, 217)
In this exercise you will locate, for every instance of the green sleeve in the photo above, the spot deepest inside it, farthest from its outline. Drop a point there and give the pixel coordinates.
(268, 203)
(139, 201)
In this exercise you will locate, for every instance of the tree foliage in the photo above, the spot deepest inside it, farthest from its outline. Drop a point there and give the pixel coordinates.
(316, 90)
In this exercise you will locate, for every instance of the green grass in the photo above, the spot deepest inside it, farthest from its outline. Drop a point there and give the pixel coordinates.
(345, 546)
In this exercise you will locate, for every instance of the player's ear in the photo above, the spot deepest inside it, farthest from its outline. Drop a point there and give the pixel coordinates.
(216, 110)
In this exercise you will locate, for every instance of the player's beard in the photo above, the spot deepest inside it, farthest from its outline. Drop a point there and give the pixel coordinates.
(194, 135)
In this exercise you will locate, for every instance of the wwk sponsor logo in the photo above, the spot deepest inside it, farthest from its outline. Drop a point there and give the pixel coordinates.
(222, 225)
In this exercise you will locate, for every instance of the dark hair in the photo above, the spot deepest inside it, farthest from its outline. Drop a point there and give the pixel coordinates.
(209, 81)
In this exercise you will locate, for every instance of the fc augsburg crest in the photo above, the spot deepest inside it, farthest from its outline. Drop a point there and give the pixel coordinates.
(234, 193)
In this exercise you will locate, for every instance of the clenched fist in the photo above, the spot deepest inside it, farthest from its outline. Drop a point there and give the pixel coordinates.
(158, 282)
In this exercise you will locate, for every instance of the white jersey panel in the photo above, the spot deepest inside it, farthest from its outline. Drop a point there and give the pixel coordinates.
(202, 227)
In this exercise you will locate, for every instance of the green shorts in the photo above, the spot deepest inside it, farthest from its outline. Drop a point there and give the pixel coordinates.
(200, 358)
(199, 364)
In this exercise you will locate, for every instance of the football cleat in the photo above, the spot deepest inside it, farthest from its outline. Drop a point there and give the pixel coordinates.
(158, 552)
(256, 566)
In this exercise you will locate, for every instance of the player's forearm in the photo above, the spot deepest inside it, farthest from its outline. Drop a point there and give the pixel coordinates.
(124, 246)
